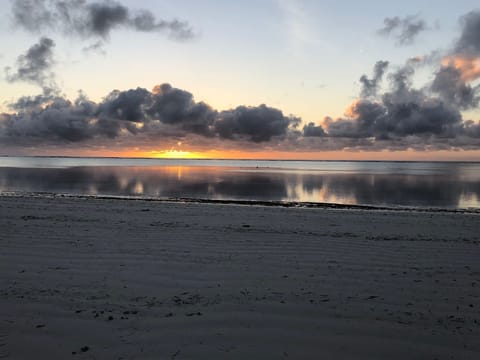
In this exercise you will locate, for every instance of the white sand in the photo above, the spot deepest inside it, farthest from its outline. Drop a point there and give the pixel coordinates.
(151, 280)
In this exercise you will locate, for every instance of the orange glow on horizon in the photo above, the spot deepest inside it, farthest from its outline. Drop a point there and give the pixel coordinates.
(180, 150)
(407, 155)
(174, 154)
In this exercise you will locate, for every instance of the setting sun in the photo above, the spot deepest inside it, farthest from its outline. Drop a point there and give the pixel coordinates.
(175, 154)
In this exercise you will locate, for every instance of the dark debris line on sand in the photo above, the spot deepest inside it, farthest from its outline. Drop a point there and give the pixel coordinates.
(272, 203)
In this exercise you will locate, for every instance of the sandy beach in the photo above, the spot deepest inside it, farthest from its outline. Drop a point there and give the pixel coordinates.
(87, 278)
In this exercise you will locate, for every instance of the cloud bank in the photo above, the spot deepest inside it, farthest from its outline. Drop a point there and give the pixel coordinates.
(400, 118)
(163, 112)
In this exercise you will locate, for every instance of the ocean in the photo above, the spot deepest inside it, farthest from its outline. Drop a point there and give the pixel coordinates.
(442, 185)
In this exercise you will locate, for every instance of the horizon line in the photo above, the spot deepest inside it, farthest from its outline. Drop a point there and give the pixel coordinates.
(233, 159)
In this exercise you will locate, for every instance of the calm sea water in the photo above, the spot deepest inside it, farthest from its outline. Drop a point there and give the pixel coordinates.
(395, 184)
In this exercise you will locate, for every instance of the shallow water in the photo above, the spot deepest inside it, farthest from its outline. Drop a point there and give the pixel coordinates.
(395, 184)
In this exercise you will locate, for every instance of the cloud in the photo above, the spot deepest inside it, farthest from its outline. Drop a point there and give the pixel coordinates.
(59, 121)
(467, 66)
(400, 118)
(450, 85)
(405, 30)
(404, 117)
(469, 41)
(464, 57)
(370, 86)
(35, 65)
(164, 112)
(177, 107)
(257, 124)
(454, 82)
(312, 130)
(92, 19)
(32, 15)
(125, 105)
(95, 47)
(28, 103)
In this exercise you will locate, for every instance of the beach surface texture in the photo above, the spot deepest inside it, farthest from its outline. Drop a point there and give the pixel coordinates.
(86, 278)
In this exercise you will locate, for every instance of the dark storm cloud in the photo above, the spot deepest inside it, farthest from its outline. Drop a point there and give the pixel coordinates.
(455, 80)
(28, 103)
(404, 117)
(164, 112)
(405, 30)
(370, 86)
(312, 130)
(101, 18)
(424, 117)
(61, 121)
(401, 82)
(35, 65)
(257, 124)
(125, 105)
(54, 119)
(469, 41)
(92, 19)
(472, 129)
(398, 119)
(177, 107)
(448, 84)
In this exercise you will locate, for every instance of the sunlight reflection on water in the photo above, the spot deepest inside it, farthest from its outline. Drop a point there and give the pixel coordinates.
(444, 185)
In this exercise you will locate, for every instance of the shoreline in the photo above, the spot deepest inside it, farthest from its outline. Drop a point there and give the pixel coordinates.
(87, 278)
(264, 203)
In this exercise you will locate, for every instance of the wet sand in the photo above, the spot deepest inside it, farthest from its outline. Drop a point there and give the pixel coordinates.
(87, 278)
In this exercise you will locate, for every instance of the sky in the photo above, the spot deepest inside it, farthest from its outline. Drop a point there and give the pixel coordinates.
(277, 79)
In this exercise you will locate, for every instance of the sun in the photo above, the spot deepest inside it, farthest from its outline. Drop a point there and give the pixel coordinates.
(175, 154)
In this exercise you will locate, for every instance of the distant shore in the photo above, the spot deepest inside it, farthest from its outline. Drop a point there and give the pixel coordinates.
(89, 277)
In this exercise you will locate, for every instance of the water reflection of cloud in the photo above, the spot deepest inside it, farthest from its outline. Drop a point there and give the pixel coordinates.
(453, 190)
